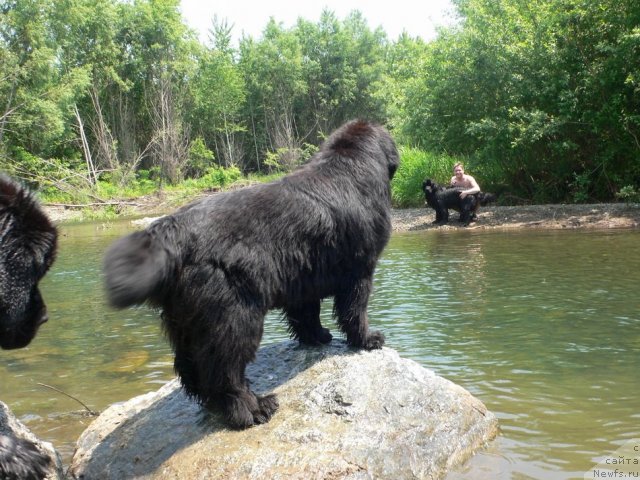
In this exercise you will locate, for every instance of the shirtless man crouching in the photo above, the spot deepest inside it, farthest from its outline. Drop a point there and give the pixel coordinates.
(461, 179)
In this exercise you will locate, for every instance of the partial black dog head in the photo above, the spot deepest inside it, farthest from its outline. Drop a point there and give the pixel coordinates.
(429, 186)
(374, 141)
(20, 458)
(27, 249)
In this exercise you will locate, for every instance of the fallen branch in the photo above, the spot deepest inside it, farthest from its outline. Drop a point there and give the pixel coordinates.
(91, 412)
(97, 204)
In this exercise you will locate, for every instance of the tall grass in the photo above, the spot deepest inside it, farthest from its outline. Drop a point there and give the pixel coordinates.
(415, 166)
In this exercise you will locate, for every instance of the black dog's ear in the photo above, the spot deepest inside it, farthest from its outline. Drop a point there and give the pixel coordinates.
(135, 268)
(33, 228)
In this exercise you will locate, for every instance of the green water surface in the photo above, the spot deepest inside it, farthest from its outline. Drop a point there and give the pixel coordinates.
(542, 326)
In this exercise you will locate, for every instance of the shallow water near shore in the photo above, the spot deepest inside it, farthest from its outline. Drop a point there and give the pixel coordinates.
(542, 326)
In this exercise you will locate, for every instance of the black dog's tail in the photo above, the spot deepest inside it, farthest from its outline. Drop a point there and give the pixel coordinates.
(485, 198)
(136, 267)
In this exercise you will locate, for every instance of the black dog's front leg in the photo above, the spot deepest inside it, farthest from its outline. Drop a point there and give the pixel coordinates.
(350, 306)
(304, 324)
(442, 215)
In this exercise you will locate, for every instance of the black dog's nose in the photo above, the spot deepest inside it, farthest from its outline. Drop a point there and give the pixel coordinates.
(44, 318)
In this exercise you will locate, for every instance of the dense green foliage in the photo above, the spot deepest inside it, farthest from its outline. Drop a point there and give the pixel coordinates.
(108, 98)
(415, 166)
(544, 95)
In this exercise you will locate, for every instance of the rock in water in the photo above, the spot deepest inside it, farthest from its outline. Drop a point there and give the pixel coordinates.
(343, 414)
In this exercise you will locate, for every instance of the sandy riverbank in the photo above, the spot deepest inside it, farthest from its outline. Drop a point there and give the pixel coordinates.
(603, 215)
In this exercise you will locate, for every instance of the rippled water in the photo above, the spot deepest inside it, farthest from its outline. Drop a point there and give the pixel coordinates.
(544, 327)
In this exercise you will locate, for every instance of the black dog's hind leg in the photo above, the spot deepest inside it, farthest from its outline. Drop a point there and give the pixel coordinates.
(221, 364)
(304, 324)
(465, 216)
(468, 207)
(185, 367)
(350, 306)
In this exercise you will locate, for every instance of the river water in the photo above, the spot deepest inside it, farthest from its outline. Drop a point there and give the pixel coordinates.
(542, 326)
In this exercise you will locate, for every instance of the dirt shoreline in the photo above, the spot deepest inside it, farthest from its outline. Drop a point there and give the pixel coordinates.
(560, 216)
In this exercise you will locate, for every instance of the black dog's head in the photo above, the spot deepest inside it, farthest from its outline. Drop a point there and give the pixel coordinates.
(429, 187)
(27, 250)
(371, 139)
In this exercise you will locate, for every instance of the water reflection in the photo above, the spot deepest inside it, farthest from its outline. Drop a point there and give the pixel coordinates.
(542, 326)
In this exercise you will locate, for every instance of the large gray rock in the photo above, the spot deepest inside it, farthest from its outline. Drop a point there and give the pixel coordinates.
(343, 414)
(13, 428)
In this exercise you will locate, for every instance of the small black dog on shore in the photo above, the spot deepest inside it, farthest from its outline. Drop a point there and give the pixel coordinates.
(441, 199)
(27, 250)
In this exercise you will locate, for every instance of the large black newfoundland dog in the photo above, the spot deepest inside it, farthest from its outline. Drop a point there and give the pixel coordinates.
(441, 199)
(27, 250)
(218, 265)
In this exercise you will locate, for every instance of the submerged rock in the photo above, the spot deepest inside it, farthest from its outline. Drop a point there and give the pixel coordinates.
(343, 414)
(12, 428)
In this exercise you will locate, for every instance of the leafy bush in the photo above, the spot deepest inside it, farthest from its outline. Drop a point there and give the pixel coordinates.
(629, 194)
(286, 159)
(221, 177)
(415, 166)
(580, 187)
(200, 158)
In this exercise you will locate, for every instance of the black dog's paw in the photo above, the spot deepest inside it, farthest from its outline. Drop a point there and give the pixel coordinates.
(246, 410)
(374, 341)
(325, 336)
(322, 336)
(239, 409)
(267, 406)
(21, 459)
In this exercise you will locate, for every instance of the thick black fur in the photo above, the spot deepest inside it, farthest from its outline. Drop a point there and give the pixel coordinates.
(27, 249)
(441, 199)
(20, 459)
(218, 265)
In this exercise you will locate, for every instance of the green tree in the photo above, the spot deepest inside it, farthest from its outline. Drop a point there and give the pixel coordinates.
(219, 93)
(272, 69)
(343, 67)
(36, 93)
(159, 63)
(543, 95)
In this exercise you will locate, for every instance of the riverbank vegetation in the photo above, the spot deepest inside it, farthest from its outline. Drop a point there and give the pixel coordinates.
(109, 100)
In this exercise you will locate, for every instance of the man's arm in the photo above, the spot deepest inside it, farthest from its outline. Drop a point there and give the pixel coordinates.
(475, 188)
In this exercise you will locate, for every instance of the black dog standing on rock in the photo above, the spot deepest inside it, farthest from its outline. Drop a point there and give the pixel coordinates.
(27, 250)
(441, 199)
(218, 265)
